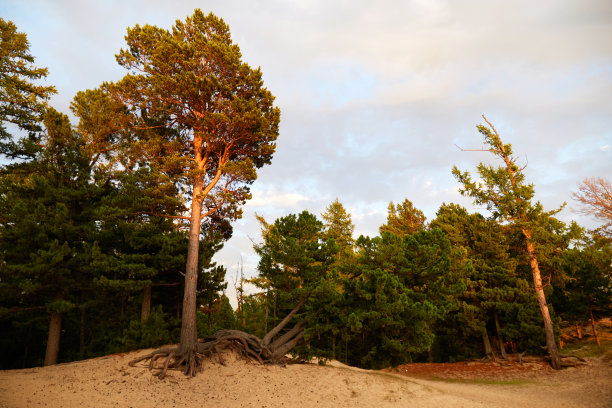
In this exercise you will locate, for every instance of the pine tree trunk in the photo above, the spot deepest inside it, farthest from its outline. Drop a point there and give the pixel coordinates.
(521, 217)
(26, 349)
(82, 335)
(334, 347)
(487, 344)
(594, 328)
(189, 333)
(502, 349)
(555, 361)
(266, 316)
(53, 341)
(578, 331)
(145, 310)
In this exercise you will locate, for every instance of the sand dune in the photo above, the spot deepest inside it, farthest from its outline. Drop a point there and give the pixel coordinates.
(110, 382)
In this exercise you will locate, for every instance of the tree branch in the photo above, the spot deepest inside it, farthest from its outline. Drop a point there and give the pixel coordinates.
(270, 335)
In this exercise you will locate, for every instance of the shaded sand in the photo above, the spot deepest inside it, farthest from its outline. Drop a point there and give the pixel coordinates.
(110, 382)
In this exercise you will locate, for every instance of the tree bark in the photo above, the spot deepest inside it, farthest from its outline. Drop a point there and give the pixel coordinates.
(189, 334)
(294, 332)
(578, 331)
(283, 349)
(82, 335)
(502, 349)
(487, 344)
(145, 310)
(555, 360)
(53, 341)
(270, 335)
(521, 218)
(594, 328)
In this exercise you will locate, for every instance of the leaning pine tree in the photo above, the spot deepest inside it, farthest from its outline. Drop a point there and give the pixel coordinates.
(509, 198)
(205, 124)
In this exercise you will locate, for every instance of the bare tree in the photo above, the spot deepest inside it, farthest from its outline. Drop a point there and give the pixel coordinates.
(595, 197)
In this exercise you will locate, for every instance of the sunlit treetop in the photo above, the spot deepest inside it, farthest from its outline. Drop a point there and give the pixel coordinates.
(22, 97)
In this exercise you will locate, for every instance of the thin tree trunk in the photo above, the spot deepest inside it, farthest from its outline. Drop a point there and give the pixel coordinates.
(284, 349)
(275, 298)
(578, 331)
(299, 327)
(502, 349)
(334, 347)
(555, 361)
(82, 335)
(487, 344)
(594, 328)
(521, 218)
(53, 341)
(270, 335)
(346, 349)
(145, 310)
(27, 347)
(266, 316)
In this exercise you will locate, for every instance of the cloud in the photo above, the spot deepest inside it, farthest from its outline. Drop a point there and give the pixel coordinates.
(375, 95)
(271, 198)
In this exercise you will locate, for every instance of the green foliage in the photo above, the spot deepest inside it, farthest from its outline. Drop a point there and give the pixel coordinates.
(372, 312)
(294, 257)
(219, 317)
(338, 225)
(190, 83)
(22, 100)
(157, 330)
(509, 199)
(492, 285)
(587, 280)
(402, 289)
(403, 219)
(88, 214)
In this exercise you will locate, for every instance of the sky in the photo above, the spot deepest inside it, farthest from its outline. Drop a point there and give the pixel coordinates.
(375, 96)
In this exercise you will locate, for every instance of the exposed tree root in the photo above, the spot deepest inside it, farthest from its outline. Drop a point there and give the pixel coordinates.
(263, 351)
(578, 360)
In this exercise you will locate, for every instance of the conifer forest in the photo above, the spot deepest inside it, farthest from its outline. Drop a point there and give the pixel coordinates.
(111, 214)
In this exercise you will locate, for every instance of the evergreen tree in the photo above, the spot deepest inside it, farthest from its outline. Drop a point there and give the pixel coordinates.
(220, 127)
(22, 99)
(295, 263)
(393, 298)
(403, 219)
(586, 289)
(47, 228)
(509, 199)
(338, 225)
(495, 293)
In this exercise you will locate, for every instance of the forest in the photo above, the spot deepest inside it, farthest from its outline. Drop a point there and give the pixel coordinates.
(110, 218)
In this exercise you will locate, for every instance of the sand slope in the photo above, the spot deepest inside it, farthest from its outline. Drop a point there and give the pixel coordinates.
(110, 382)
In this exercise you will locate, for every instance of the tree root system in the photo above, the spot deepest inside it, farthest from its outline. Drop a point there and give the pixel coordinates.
(189, 359)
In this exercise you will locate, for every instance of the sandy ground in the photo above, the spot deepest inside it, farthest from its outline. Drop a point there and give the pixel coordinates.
(110, 382)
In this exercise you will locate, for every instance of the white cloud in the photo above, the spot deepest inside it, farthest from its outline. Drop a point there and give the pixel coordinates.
(271, 198)
(374, 95)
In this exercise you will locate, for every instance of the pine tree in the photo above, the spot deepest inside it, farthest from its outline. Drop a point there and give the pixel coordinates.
(219, 125)
(47, 227)
(509, 198)
(403, 219)
(22, 99)
(338, 225)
